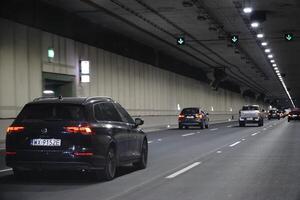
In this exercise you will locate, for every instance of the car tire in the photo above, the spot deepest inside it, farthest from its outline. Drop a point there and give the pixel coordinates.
(202, 125)
(261, 123)
(180, 126)
(186, 127)
(242, 124)
(142, 163)
(206, 126)
(110, 169)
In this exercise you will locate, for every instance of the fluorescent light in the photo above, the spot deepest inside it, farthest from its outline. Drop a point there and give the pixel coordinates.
(272, 61)
(85, 67)
(264, 43)
(274, 65)
(51, 53)
(260, 35)
(276, 68)
(48, 92)
(267, 50)
(85, 78)
(270, 56)
(247, 10)
(254, 24)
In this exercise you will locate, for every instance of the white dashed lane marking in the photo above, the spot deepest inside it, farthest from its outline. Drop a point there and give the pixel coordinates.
(253, 134)
(188, 134)
(183, 170)
(234, 144)
(214, 129)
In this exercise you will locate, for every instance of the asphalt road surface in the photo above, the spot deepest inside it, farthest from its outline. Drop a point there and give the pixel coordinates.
(222, 162)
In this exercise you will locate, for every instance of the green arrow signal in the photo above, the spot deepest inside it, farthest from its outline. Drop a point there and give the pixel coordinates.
(289, 37)
(180, 41)
(234, 39)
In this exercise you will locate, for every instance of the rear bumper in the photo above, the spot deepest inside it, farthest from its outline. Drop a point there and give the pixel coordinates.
(42, 165)
(53, 161)
(247, 121)
(192, 123)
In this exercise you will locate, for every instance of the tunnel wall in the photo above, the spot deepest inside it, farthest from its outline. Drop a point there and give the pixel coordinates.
(144, 90)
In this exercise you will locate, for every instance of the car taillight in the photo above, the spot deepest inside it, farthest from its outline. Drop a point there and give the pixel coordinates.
(83, 154)
(84, 130)
(14, 129)
(180, 116)
(199, 116)
(10, 153)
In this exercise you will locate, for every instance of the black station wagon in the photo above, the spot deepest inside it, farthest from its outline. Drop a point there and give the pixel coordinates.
(94, 134)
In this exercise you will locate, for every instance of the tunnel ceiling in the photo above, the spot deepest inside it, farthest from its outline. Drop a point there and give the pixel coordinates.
(206, 26)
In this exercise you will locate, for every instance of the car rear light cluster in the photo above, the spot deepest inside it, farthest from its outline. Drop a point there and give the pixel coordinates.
(10, 153)
(84, 130)
(83, 154)
(199, 116)
(180, 116)
(14, 129)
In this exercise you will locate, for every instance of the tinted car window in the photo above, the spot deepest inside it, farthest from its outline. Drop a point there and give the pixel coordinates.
(51, 112)
(126, 117)
(106, 112)
(250, 108)
(190, 111)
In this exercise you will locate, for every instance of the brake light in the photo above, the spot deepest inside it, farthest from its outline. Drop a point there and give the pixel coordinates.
(84, 130)
(180, 116)
(10, 153)
(14, 129)
(83, 154)
(199, 116)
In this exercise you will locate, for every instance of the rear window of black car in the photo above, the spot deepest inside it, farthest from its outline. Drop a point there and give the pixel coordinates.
(250, 108)
(65, 112)
(190, 111)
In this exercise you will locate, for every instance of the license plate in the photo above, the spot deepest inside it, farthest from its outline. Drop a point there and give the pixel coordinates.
(46, 142)
(190, 117)
(249, 118)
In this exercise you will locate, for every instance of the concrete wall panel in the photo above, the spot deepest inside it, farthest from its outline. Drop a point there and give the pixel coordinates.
(141, 88)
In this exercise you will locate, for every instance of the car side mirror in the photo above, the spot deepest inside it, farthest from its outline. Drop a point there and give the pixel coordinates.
(138, 122)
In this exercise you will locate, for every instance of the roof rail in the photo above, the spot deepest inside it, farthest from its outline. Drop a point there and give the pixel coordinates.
(98, 98)
(40, 98)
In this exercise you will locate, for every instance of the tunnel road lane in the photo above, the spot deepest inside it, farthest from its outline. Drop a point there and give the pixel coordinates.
(174, 154)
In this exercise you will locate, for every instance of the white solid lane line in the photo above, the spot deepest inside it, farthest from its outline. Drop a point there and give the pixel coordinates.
(214, 129)
(188, 134)
(5, 170)
(159, 140)
(236, 143)
(253, 134)
(183, 170)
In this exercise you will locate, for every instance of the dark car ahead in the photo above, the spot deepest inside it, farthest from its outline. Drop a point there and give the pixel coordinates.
(93, 134)
(274, 114)
(294, 115)
(193, 117)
